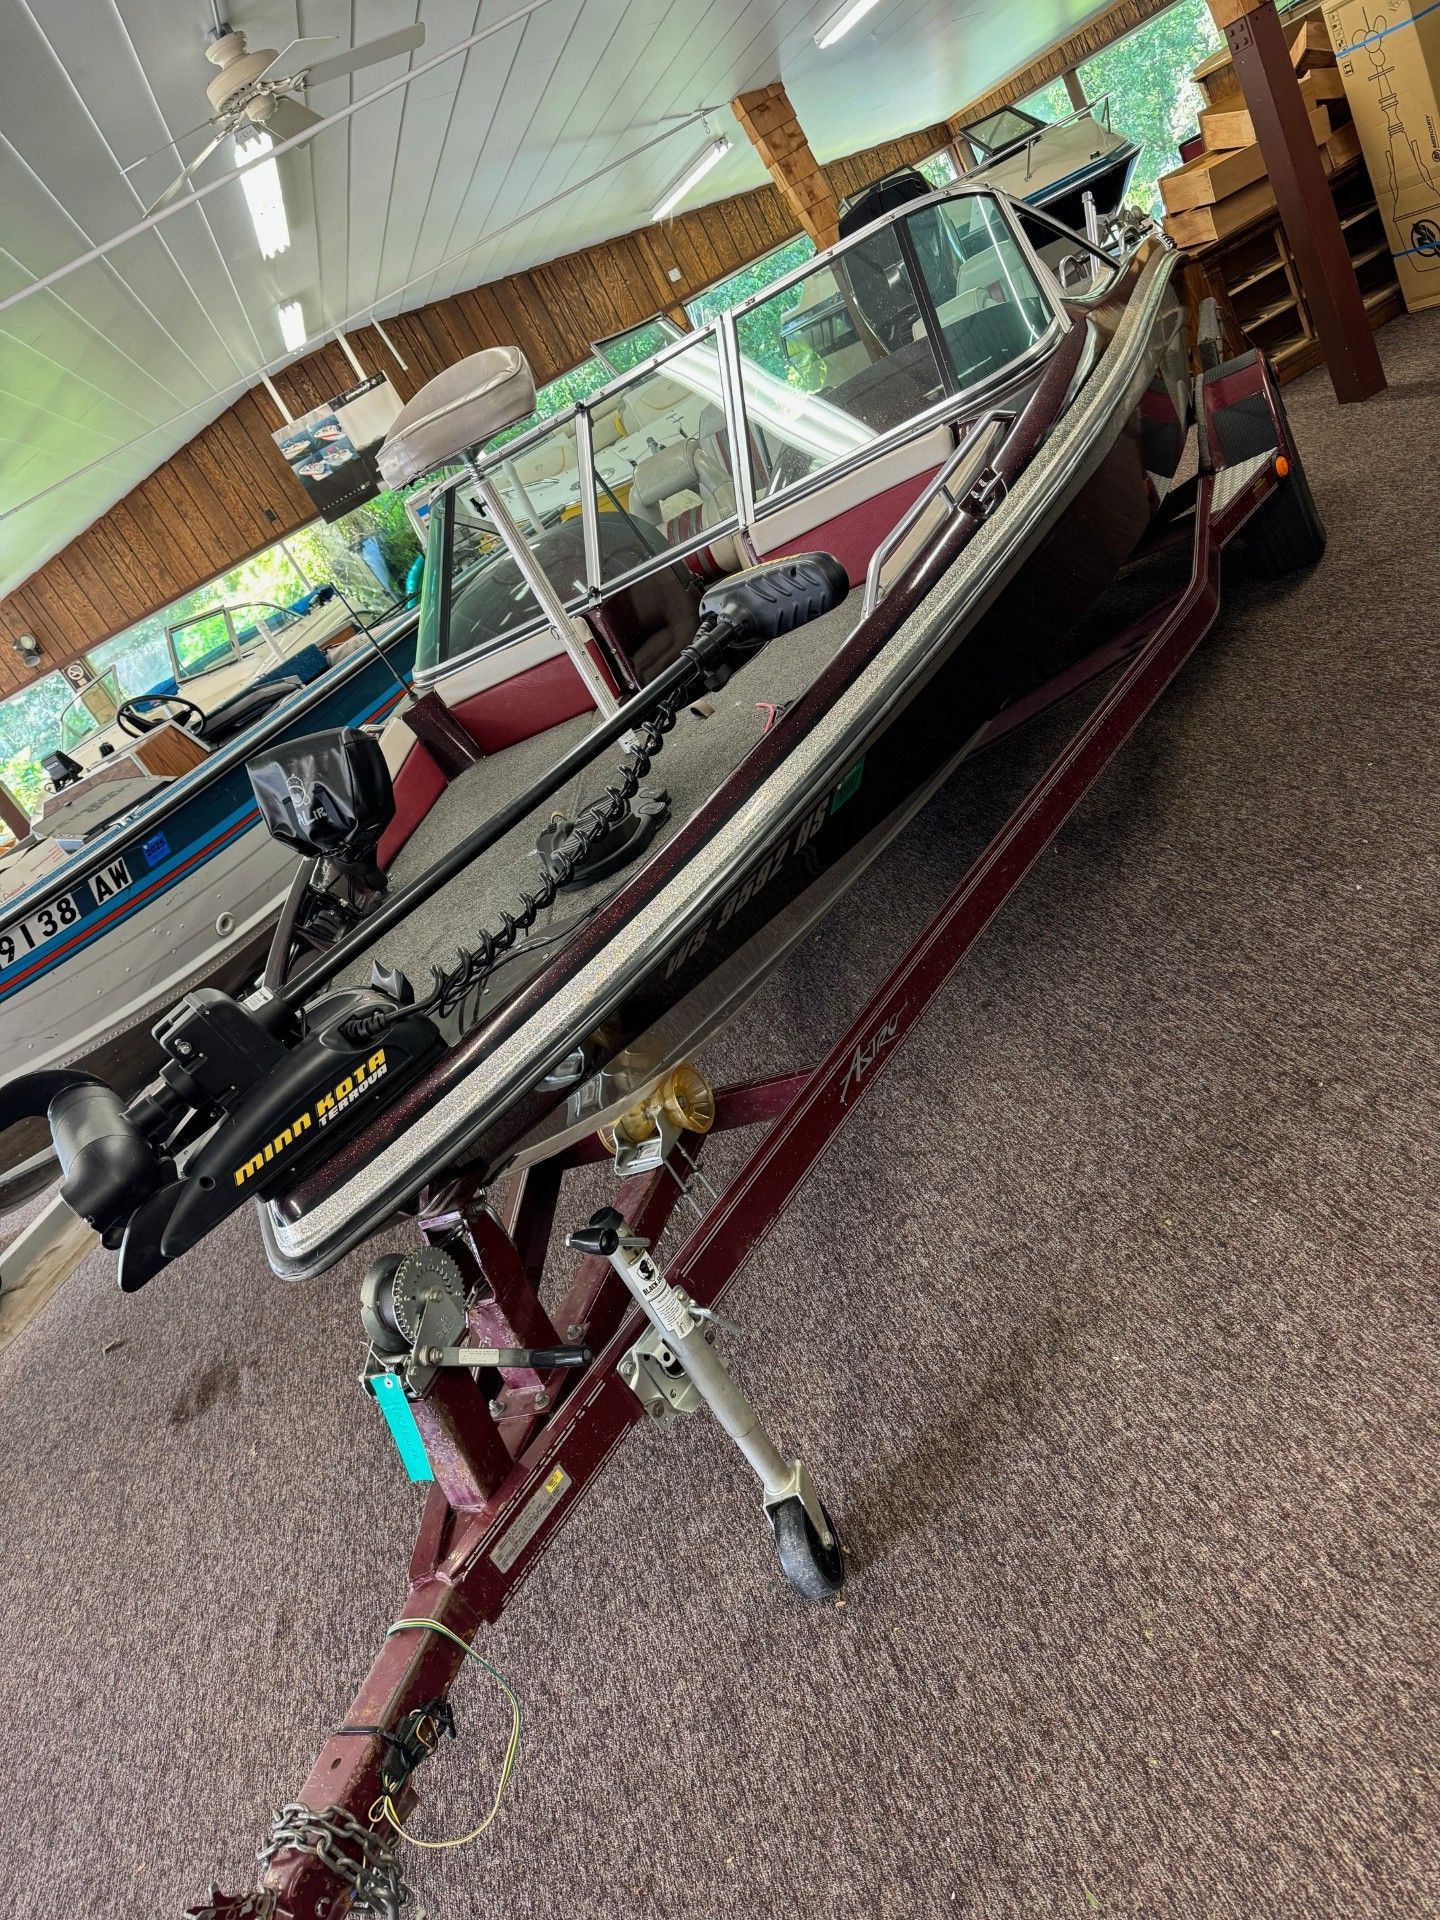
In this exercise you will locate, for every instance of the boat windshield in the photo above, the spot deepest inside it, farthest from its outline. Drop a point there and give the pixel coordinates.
(93, 707)
(622, 351)
(998, 132)
(834, 364)
(222, 634)
(862, 343)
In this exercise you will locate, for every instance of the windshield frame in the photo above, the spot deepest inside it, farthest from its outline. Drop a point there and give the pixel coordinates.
(731, 399)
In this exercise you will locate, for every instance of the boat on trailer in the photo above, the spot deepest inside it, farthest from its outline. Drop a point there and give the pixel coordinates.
(693, 718)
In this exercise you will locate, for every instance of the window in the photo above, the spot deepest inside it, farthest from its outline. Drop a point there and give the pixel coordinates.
(1048, 103)
(760, 274)
(1152, 97)
(990, 307)
(622, 351)
(663, 471)
(368, 555)
(939, 170)
(833, 361)
(29, 729)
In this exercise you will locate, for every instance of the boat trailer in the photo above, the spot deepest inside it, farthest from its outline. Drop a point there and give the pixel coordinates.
(513, 1427)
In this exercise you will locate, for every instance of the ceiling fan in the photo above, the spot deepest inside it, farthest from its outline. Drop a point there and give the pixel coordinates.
(259, 91)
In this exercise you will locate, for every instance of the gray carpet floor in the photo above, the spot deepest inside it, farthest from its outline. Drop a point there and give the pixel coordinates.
(1110, 1332)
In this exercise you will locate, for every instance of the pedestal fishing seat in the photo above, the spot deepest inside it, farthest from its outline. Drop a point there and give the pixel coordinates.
(456, 413)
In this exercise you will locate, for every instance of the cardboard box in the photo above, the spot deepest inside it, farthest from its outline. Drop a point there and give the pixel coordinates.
(1211, 177)
(1342, 147)
(1203, 226)
(1391, 76)
(1224, 127)
(1309, 47)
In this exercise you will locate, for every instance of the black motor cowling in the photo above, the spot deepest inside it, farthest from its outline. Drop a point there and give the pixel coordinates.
(758, 605)
(327, 795)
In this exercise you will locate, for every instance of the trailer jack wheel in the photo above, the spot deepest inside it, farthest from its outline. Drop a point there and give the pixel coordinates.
(815, 1571)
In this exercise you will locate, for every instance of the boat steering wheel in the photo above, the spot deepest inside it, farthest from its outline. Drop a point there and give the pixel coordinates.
(130, 718)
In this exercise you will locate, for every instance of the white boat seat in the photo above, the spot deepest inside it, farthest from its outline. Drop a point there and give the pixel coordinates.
(651, 398)
(661, 476)
(456, 411)
(606, 429)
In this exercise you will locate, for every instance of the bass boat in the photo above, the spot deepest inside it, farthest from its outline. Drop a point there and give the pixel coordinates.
(693, 693)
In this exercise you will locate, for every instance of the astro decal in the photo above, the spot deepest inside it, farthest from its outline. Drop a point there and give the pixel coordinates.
(751, 885)
(867, 1053)
(327, 1108)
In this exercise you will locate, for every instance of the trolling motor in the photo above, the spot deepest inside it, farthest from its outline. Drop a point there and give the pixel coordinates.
(254, 1095)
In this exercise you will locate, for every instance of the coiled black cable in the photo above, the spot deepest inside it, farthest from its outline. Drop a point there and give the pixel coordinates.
(451, 988)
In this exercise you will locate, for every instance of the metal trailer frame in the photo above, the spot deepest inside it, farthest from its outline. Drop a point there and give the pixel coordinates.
(513, 1449)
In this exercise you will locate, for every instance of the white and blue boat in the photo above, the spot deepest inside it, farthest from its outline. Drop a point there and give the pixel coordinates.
(147, 871)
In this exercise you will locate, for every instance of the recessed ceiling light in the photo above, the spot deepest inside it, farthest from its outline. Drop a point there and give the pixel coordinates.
(263, 194)
(292, 325)
(693, 175)
(840, 23)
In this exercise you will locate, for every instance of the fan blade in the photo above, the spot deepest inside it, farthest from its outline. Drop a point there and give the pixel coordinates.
(366, 55)
(183, 180)
(287, 118)
(299, 55)
(170, 146)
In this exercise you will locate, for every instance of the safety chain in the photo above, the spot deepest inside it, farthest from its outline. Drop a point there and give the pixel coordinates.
(363, 1859)
(449, 989)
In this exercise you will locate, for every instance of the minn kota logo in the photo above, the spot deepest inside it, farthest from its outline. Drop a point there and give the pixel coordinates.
(327, 1108)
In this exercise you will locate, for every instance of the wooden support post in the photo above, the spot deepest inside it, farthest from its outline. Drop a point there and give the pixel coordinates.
(1074, 89)
(776, 135)
(1307, 210)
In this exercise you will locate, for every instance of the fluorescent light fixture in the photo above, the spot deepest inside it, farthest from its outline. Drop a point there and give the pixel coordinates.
(292, 325)
(693, 175)
(840, 23)
(262, 193)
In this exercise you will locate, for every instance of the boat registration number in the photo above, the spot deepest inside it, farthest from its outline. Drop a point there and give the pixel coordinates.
(23, 936)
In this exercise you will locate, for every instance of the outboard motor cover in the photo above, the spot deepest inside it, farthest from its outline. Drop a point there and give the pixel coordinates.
(897, 189)
(327, 795)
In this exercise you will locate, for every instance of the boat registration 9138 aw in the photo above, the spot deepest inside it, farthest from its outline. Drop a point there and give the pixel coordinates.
(24, 936)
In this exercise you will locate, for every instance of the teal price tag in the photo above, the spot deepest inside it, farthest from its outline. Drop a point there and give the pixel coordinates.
(390, 1397)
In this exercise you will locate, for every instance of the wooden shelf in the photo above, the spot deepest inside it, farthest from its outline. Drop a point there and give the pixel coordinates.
(1273, 312)
(1358, 260)
(1256, 253)
(1260, 273)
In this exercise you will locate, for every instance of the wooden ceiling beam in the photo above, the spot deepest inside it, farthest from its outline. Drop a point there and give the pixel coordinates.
(777, 136)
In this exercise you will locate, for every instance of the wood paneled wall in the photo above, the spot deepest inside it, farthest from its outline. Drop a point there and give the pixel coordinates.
(227, 493)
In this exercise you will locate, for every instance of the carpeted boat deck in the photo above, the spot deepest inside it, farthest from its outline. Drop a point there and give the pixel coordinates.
(697, 755)
(1109, 1331)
